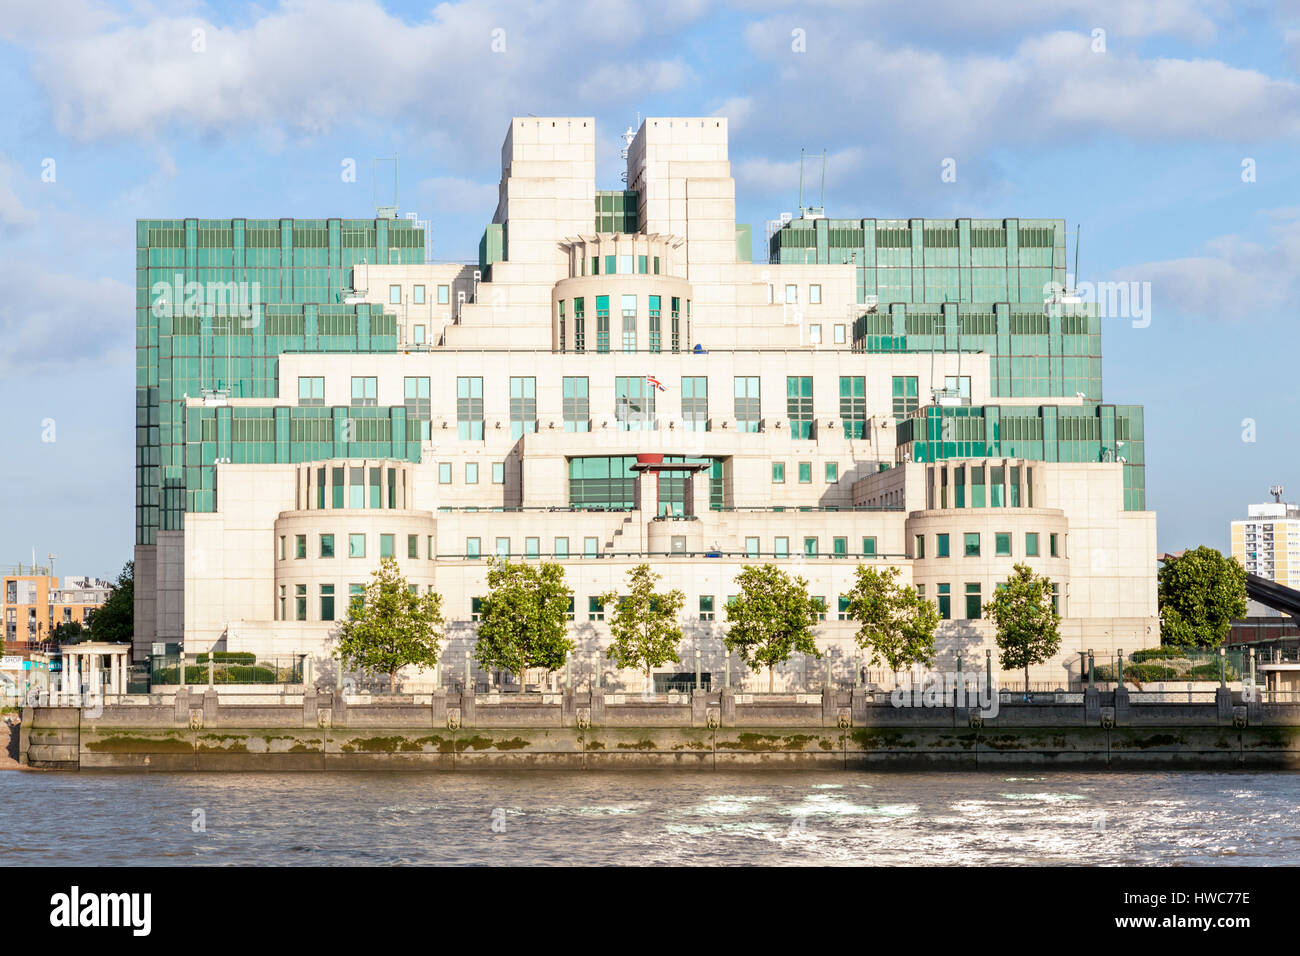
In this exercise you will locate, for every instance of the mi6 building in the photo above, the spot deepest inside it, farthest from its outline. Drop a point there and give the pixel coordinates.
(616, 382)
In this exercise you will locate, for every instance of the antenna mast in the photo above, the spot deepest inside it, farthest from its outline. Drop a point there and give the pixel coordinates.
(801, 180)
(1078, 227)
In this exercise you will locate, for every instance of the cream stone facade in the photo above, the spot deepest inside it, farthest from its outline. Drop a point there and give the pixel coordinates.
(556, 388)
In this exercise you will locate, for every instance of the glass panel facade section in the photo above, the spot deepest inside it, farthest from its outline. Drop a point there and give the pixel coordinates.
(629, 322)
(747, 403)
(602, 321)
(577, 407)
(602, 482)
(523, 406)
(853, 405)
(469, 408)
(799, 405)
(695, 403)
(634, 403)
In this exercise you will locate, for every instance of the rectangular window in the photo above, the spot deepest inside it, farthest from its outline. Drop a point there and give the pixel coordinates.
(656, 324)
(498, 472)
(300, 546)
(473, 548)
(778, 472)
(642, 265)
(444, 472)
(577, 408)
(629, 323)
(428, 546)
(602, 322)
(469, 408)
(840, 336)
(280, 555)
(523, 406)
(799, 405)
(356, 487)
(327, 602)
(356, 546)
(1052, 546)
(805, 473)
(283, 609)
(869, 547)
(840, 547)
(394, 295)
(561, 547)
(945, 601)
(417, 295)
(569, 614)
(1031, 544)
(595, 610)
(941, 545)
(444, 295)
(579, 325)
(611, 265)
(1002, 544)
(706, 607)
(356, 598)
(695, 403)
(751, 547)
(471, 473)
(503, 547)
(412, 545)
(747, 404)
(781, 547)
(386, 546)
(300, 602)
(819, 603)
(311, 390)
(562, 325)
(676, 323)
(918, 546)
(832, 472)
(973, 602)
(591, 547)
(476, 609)
(532, 547)
(905, 396)
(843, 613)
(853, 405)
(336, 487)
(327, 546)
(634, 403)
(815, 334)
(815, 294)
(791, 294)
(972, 544)
(365, 390)
(810, 547)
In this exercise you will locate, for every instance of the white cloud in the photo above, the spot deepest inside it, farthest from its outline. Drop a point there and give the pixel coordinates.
(53, 321)
(1236, 279)
(14, 215)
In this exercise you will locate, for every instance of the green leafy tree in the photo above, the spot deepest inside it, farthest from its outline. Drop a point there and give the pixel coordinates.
(771, 618)
(644, 624)
(68, 632)
(390, 627)
(114, 620)
(1028, 625)
(1201, 594)
(895, 623)
(524, 618)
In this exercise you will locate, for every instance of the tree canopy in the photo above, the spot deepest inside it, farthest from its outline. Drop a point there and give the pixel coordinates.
(644, 624)
(114, 620)
(391, 626)
(895, 623)
(771, 618)
(1201, 594)
(523, 618)
(1028, 625)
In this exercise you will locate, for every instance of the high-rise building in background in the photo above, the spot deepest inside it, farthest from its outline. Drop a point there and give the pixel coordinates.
(616, 382)
(1267, 541)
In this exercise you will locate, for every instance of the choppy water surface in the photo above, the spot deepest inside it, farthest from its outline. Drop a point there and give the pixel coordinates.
(651, 818)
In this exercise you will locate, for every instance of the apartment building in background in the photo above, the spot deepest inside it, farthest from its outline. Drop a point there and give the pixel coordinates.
(615, 381)
(34, 602)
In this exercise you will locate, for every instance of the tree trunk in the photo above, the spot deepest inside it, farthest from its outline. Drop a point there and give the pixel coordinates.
(771, 677)
(1026, 678)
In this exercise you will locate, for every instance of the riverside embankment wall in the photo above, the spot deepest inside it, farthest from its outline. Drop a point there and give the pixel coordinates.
(703, 730)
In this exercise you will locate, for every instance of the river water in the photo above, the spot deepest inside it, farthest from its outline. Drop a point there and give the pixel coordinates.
(566, 817)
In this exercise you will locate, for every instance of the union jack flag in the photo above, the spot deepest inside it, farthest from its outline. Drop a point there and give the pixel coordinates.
(656, 383)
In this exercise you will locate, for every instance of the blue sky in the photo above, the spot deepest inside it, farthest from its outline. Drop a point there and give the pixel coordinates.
(155, 109)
